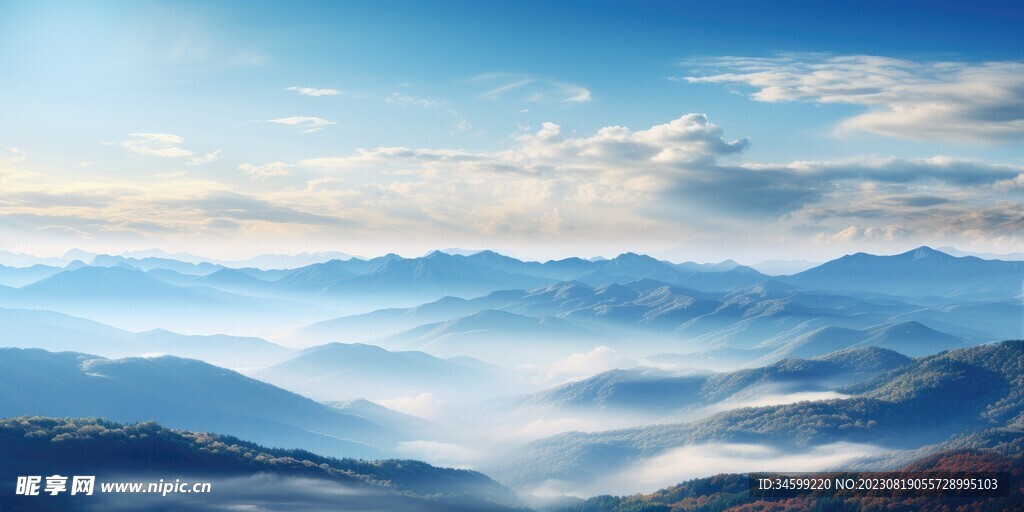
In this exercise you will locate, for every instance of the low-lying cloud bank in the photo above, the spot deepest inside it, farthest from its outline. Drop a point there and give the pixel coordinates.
(696, 461)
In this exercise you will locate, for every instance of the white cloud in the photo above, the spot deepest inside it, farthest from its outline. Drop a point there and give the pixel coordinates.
(404, 100)
(856, 233)
(205, 159)
(163, 145)
(266, 170)
(575, 93)
(670, 467)
(577, 366)
(1016, 183)
(440, 454)
(19, 155)
(674, 466)
(66, 229)
(527, 88)
(615, 187)
(306, 124)
(84, 164)
(767, 397)
(423, 405)
(311, 91)
(938, 100)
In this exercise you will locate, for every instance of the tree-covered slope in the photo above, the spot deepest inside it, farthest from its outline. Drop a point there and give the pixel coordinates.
(929, 401)
(108, 450)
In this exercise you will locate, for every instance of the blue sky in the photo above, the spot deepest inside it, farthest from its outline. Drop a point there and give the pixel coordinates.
(234, 128)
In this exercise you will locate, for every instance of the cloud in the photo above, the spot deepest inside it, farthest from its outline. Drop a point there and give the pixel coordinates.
(660, 470)
(1015, 183)
(577, 366)
(404, 100)
(614, 187)
(423, 405)
(674, 466)
(163, 145)
(388, 156)
(522, 87)
(670, 174)
(311, 91)
(19, 155)
(205, 159)
(856, 233)
(66, 229)
(966, 102)
(266, 170)
(766, 396)
(440, 454)
(306, 124)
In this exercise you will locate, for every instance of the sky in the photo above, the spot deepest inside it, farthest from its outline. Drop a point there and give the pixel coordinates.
(686, 130)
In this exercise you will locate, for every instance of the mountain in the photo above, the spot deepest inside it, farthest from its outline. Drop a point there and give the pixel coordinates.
(133, 299)
(783, 267)
(337, 371)
(217, 349)
(1011, 256)
(637, 304)
(651, 394)
(909, 338)
(17, 277)
(922, 271)
(233, 281)
(739, 327)
(171, 276)
(313, 278)
(20, 259)
(928, 401)
(151, 262)
(180, 393)
(281, 261)
(640, 392)
(385, 322)
(26, 328)
(427, 278)
(241, 473)
(731, 492)
(413, 427)
(500, 337)
(160, 253)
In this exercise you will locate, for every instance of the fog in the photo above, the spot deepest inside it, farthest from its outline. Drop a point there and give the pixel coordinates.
(671, 467)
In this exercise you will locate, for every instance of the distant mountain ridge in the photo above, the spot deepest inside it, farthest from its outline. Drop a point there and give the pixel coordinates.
(338, 371)
(922, 271)
(24, 328)
(708, 307)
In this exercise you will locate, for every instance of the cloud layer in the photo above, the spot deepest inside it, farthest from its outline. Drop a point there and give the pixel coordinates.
(680, 180)
(938, 100)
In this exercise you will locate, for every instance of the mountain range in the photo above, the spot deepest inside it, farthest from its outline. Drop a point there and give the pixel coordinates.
(202, 296)
(338, 372)
(659, 393)
(922, 271)
(26, 328)
(928, 401)
(181, 393)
